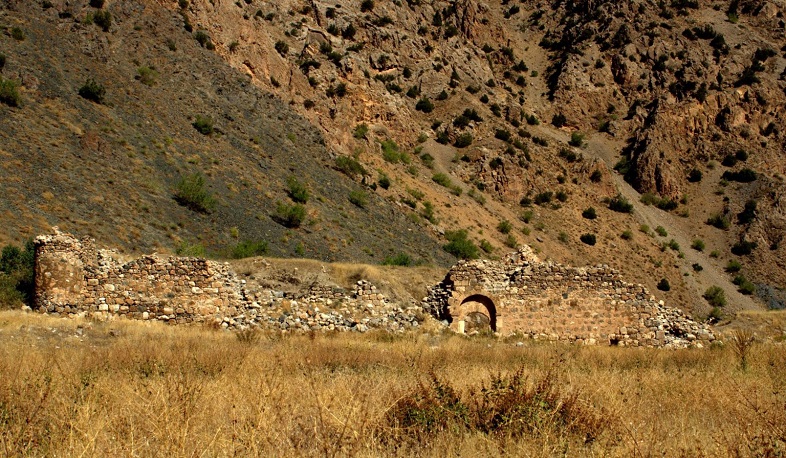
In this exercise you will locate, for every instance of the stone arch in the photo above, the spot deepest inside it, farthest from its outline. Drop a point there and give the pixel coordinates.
(479, 303)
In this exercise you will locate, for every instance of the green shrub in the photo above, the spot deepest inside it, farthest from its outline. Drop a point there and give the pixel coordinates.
(9, 92)
(673, 245)
(744, 285)
(589, 213)
(192, 250)
(248, 249)
(715, 296)
(733, 266)
(190, 192)
(425, 105)
(588, 239)
(203, 39)
(627, 235)
(576, 139)
(366, 6)
(620, 204)
(562, 196)
(291, 216)
(660, 230)
(459, 245)
(147, 75)
(297, 191)
(390, 152)
(203, 125)
(103, 19)
(360, 131)
(92, 91)
(463, 140)
(743, 248)
(558, 120)
(720, 221)
(511, 242)
(358, 198)
(384, 181)
(97, 3)
(18, 34)
(349, 166)
(505, 226)
(695, 176)
(698, 245)
(442, 179)
(744, 175)
(664, 285)
(486, 246)
(563, 237)
(748, 214)
(526, 216)
(401, 259)
(282, 48)
(17, 275)
(543, 198)
(428, 212)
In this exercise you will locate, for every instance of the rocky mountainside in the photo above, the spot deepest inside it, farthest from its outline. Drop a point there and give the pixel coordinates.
(579, 128)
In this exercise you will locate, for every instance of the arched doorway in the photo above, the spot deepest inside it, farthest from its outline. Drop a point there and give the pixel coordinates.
(478, 313)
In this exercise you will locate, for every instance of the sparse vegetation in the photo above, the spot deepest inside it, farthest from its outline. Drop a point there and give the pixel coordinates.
(505, 226)
(715, 296)
(17, 276)
(291, 216)
(9, 92)
(620, 204)
(92, 91)
(459, 245)
(248, 249)
(589, 213)
(297, 191)
(203, 125)
(359, 198)
(697, 245)
(191, 192)
(147, 75)
(664, 285)
(588, 239)
(349, 166)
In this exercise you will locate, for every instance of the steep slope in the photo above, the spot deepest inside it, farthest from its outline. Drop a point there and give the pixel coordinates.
(110, 170)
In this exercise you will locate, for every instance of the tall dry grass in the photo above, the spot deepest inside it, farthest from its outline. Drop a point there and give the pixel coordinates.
(134, 389)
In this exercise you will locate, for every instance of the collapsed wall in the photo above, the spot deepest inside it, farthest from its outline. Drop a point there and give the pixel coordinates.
(544, 300)
(74, 278)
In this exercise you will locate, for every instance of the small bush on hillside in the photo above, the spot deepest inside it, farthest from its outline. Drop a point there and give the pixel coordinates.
(695, 176)
(589, 213)
(576, 139)
(358, 198)
(743, 248)
(459, 245)
(390, 152)
(291, 216)
(588, 239)
(193, 250)
(203, 125)
(92, 91)
(248, 249)
(401, 259)
(366, 6)
(425, 105)
(360, 131)
(720, 221)
(660, 230)
(97, 3)
(558, 120)
(463, 140)
(3, 60)
(349, 166)
(543, 198)
(748, 214)
(664, 285)
(203, 39)
(190, 192)
(504, 226)
(103, 19)
(510, 241)
(442, 179)
(17, 275)
(18, 34)
(715, 296)
(147, 75)
(9, 92)
(282, 48)
(384, 181)
(733, 266)
(297, 191)
(620, 204)
(697, 244)
(744, 175)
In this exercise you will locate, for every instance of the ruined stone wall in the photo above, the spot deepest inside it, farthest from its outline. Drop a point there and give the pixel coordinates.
(546, 300)
(73, 277)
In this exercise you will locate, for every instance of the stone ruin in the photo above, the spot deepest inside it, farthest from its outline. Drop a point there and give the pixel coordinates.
(544, 300)
(74, 278)
(517, 295)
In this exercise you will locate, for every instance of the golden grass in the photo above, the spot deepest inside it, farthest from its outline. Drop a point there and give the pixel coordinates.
(73, 388)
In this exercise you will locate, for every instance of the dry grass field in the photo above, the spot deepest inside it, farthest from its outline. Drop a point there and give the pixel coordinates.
(78, 388)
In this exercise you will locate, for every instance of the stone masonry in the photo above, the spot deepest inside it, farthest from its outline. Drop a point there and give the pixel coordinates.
(73, 278)
(545, 300)
(517, 295)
